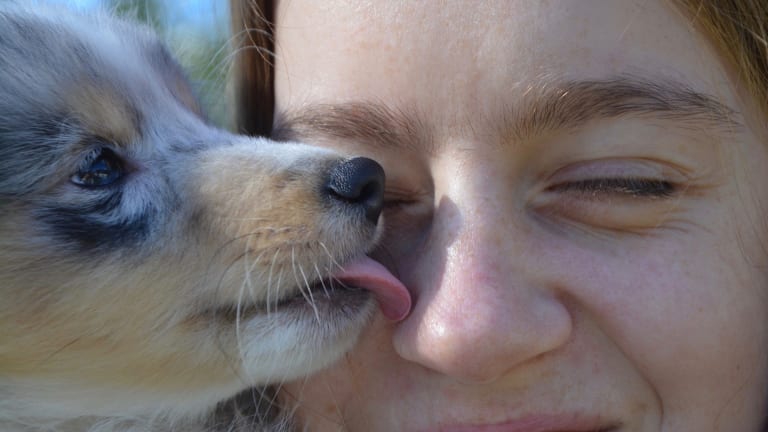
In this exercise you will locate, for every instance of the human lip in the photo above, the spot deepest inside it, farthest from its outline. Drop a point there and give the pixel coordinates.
(537, 423)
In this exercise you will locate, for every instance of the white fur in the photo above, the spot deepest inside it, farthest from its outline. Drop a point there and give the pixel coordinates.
(149, 304)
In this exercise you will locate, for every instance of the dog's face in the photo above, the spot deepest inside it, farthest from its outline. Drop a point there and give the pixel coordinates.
(145, 253)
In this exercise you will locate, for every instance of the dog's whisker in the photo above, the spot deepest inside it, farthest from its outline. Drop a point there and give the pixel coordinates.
(309, 290)
(60, 349)
(238, 316)
(333, 263)
(321, 279)
(279, 283)
(249, 274)
(221, 249)
(269, 282)
(248, 33)
(239, 309)
(181, 267)
(306, 293)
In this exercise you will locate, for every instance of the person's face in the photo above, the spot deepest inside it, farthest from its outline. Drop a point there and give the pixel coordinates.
(574, 197)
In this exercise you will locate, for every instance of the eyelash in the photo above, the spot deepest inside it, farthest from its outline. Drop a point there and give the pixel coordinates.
(636, 187)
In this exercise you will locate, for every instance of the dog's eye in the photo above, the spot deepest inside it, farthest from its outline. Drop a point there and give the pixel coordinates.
(101, 168)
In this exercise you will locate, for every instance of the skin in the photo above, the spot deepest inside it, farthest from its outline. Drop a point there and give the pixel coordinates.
(543, 299)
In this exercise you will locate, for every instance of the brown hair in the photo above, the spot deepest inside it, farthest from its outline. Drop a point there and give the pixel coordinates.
(253, 94)
(737, 28)
(739, 31)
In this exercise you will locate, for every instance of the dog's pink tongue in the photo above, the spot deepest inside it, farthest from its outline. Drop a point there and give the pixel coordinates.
(394, 298)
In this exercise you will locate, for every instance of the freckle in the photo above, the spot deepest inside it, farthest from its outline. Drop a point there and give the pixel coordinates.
(640, 407)
(330, 410)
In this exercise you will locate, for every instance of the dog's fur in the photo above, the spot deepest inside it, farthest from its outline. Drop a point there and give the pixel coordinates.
(142, 303)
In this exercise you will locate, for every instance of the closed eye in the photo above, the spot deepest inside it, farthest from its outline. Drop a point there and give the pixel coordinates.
(619, 204)
(636, 187)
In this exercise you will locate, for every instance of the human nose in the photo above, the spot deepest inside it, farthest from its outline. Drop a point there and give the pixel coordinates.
(481, 308)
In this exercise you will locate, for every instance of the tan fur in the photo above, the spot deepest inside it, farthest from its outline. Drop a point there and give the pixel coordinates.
(146, 303)
(103, 112)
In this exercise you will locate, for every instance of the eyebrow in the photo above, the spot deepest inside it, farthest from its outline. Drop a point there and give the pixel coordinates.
(371, 122)
(543, 107)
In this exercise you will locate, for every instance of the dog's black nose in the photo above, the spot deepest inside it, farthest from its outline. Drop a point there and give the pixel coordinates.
(359, 181)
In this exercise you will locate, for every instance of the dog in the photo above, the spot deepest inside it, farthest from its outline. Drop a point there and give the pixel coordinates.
(153, 267)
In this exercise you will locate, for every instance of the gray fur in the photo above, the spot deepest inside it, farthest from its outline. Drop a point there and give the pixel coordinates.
(202, 220)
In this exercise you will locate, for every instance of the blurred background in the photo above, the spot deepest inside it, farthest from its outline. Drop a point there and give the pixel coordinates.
(198, 33)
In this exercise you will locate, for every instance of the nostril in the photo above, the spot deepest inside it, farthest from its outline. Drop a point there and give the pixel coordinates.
(359, 181)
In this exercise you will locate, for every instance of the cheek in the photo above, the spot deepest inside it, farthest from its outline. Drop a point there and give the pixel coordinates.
(688, 316)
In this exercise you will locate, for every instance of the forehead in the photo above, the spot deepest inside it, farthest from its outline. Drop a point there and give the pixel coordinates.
(376, 51)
